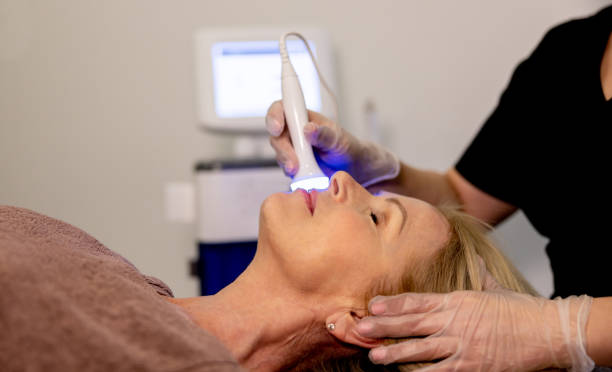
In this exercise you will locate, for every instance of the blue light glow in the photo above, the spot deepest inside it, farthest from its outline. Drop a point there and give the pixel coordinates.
(319, 183)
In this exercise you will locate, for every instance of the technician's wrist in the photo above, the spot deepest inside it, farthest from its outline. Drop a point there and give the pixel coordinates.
(374, 164)
(570, 333)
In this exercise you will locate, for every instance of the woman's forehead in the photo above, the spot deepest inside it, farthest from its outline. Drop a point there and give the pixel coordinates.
(388, 194)
(425, 221)
(406, 201)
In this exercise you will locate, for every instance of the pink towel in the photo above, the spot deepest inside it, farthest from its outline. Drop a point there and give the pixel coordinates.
(68, 303)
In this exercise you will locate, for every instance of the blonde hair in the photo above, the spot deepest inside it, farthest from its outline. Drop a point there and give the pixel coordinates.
(456, 266)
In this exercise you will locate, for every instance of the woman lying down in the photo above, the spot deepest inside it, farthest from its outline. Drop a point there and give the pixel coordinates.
(68, 303)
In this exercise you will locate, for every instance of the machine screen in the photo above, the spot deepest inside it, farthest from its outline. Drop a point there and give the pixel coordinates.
(246, 76)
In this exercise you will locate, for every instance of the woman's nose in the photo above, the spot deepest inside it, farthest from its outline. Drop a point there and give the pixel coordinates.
(342, 185)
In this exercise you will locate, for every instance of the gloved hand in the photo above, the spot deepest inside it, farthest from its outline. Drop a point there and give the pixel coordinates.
(335, 149)
(481, 331)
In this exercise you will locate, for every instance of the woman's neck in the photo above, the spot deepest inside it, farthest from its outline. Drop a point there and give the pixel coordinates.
(265, 327)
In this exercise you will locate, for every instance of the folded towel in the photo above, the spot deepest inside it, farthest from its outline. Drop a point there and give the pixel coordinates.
(68, 303)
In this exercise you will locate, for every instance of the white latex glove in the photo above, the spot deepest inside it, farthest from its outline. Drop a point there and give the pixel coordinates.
(481, 331)
(334, 148)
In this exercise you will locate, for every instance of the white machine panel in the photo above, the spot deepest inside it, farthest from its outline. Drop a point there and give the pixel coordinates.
(228, 201)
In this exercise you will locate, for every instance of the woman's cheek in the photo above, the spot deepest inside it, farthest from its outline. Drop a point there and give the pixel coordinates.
(350, 239)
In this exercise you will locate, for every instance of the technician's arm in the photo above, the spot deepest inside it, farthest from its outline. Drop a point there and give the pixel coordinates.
(450, 187)
(599, 331)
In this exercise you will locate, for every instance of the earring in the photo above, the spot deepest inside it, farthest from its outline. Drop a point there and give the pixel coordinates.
(331, 326)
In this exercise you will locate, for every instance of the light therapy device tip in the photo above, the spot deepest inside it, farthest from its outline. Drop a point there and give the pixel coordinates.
(309, 175)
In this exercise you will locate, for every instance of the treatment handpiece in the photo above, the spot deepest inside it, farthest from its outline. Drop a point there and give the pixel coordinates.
(309, 175)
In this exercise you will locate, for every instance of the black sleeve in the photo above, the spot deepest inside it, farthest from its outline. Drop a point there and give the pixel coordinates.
(498, 159)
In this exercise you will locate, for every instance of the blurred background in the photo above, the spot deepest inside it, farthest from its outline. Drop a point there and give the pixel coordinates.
(98, 120)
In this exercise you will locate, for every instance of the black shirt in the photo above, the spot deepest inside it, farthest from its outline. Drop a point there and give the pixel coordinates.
(546, 149)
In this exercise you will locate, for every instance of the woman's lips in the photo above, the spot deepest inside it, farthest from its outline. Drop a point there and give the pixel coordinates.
(313, 199)
(310, 199)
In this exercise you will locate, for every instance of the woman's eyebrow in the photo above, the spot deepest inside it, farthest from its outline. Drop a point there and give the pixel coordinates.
(401, 208)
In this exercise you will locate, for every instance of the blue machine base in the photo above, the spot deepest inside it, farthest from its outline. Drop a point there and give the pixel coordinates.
(221, 264)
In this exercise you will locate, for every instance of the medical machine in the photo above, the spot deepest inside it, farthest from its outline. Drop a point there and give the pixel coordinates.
(238, 74)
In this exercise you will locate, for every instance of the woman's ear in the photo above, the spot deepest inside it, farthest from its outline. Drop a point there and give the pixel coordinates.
(342, 325)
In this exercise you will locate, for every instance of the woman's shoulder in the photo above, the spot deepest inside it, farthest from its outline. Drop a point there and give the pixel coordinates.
(32, 225)
(29, 239)
(25, 225)
(62, 291)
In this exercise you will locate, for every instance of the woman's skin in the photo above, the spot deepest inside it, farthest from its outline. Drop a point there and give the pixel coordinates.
(312, 269)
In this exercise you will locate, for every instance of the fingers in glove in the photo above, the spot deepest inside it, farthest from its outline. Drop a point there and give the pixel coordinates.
(406, 303)
(415, 350)
(322, 132)
(323, 137)
(407, 325)
(285, 153)
(319, 118)
(275, 119)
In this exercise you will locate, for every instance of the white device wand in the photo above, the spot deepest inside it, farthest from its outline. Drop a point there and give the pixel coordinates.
(309, 175)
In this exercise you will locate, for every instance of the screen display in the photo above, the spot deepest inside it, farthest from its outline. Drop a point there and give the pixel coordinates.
(246, 76)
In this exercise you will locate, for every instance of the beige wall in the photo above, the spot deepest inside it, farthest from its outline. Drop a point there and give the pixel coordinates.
(97, 98)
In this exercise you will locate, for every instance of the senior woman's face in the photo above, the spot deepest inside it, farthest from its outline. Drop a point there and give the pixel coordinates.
(338, 242)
